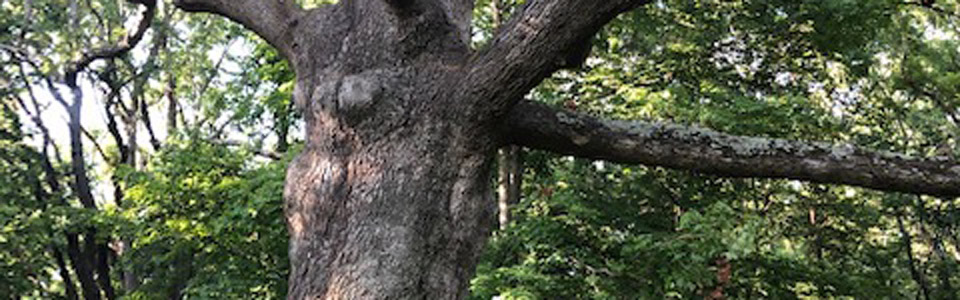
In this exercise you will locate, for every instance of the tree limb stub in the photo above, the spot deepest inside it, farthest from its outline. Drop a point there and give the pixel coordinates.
(673, 146)
(273, 20)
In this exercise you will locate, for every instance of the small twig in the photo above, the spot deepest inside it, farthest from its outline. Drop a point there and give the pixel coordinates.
(260, 152)
(95, 143)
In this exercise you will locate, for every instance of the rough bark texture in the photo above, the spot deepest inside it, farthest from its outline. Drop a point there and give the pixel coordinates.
(683, 147)
(391, 197)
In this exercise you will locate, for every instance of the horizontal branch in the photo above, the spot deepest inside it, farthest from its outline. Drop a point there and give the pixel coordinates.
(273, 20)
(673, 146)
(545, 36)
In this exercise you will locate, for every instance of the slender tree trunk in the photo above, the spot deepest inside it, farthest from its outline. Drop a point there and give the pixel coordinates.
(815, 235)
(173, 108)
(70, 290)
(81, 265)
(83, 257)
(936, 240)
(50, 178)
(130, 279)
(943, 267)
(103, 270)
(184, 269)
(724, 269)
(283, 120)
(510, 173)
(911, 262)
(81, 184)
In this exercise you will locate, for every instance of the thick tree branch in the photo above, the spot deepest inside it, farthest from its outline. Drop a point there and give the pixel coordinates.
(547, 35)
(702, 150)
(273, 20)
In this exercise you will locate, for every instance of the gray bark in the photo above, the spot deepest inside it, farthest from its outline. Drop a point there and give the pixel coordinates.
(390, 198)
(685, 147)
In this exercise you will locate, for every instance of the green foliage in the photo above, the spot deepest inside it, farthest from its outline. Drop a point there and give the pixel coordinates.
(208, 222)
(26, 265)
(213, 229)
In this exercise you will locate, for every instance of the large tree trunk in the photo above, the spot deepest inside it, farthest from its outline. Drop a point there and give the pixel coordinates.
(400, 217)
(391, 203)
(391, 197)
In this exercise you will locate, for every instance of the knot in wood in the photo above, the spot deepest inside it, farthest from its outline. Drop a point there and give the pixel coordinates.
(357, 92)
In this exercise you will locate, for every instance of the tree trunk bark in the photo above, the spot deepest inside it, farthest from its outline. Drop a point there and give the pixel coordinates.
(387, 224)
(391, 203)
(391, 197)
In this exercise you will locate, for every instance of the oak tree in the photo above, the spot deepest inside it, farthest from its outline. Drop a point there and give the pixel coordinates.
(390, 197)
